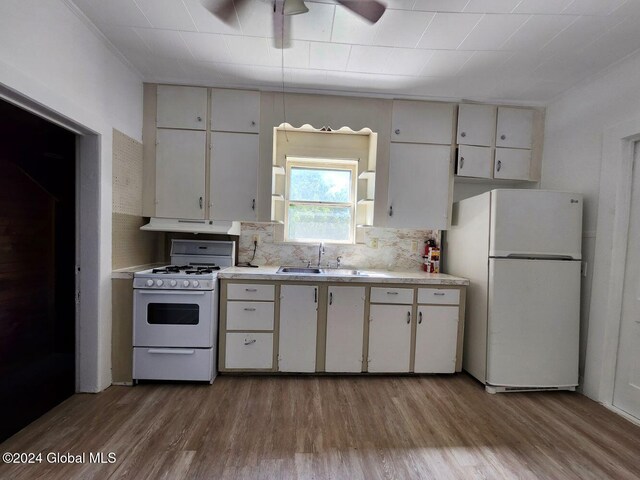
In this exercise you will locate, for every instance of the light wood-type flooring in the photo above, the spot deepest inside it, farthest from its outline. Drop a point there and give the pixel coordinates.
(331, 428)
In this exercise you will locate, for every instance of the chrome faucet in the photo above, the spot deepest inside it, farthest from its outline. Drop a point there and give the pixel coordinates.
(339, 261)
(320, 253)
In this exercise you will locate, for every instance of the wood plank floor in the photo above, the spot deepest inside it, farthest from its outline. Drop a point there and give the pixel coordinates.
(331, 428)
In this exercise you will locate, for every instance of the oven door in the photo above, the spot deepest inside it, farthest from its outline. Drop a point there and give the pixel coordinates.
(164, 318)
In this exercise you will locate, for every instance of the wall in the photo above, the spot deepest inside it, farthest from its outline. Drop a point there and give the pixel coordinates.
(572, 161)
(51, 57)
(394, 250)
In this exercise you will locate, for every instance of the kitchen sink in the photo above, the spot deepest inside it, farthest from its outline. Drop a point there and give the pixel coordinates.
(344, 271)
(303, 270)
(322, 271)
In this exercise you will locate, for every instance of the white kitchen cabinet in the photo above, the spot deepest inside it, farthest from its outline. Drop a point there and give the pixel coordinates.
(235, 111)
(389, 338)
(345, 327)
(422, 122)
(515, 127)
(233, 176)
(512, 164)
(180, 167)
(298, 328)
(249, 350)
(476, 125)
(181, 107)
(436, 339)
(420, 186)
(475, 161)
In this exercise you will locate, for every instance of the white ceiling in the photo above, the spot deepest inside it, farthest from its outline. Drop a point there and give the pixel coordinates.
(500, 50)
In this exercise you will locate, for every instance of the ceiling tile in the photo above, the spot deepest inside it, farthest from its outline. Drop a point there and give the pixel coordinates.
(249, 50)
(563, 68)
(295, 57)
(256, 19)
(542, 6)
(629, 9)
(400, 4)
(405, 61)
(169, 14)
(584, 30)
(491, 6)
(537, 31)
(329, 56)
(315, 25)
(523, 63)
(401, 28)
(164, 43)
(207, 47)
(448, 30)
(617, 43)
(125, 39)
(492, 31)
(206, 21)
(396, 61)
(483, 62)
(114, 12)
(592, 7)
(440, 5)
(350, 28)
(434, 87)
(445, 63)
(206, 73)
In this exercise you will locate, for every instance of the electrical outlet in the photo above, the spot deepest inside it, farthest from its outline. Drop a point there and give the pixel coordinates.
(373, 243)
(414, 246)
(255, 239)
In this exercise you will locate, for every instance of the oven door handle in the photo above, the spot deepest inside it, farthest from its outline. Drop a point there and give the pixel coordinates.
(172, 351)
(168, 292)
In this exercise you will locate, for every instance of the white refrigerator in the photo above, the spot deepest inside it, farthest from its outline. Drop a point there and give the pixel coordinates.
(521, 251)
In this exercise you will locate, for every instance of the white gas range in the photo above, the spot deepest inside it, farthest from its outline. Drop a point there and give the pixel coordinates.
(175, 313)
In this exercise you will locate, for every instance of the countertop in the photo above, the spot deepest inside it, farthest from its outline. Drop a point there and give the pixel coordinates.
(373, 276)
(127, 272)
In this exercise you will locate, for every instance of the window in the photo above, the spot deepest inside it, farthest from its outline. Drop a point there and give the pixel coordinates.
(320, 200)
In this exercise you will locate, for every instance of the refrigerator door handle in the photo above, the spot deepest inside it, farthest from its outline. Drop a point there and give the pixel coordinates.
(524, 256)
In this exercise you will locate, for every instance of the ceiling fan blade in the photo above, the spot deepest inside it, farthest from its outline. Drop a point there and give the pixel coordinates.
(225, 11)
(281, 26)
(370, 10)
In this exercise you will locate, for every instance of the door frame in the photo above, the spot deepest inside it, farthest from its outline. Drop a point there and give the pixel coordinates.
(90, 329)
(614, 216)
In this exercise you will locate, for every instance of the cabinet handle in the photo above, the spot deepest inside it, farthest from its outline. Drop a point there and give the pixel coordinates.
(249, 309)
(439, 294)
(250, 289)
(392, 293)
(253, 204)
(199, 119)
(249, 342)
(419, 317)
(461, 162)
(315, 295)
(391, 210)
(253, 123)
(200, 202)
(463, 134)
(503, 137)
(330, 298)
(498, 166)
(397, 131)
(172, 351)
(408, 317)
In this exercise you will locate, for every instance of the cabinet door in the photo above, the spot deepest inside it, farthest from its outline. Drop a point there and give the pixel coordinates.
(512, 164)
(235, 111)
(298, 328)
(422, 122)
(515, 127)
(180, 158)
(475, 161)
(345, 325)
(420, 185)
(436, 339)
(248, 350)
(389, 338)
(476, 125)
(233, 176)
(182, 107)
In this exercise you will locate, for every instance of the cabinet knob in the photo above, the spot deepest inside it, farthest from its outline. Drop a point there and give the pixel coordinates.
(463, 134)
(498, 166)
(253, 123)
(503, 137)
(199, 119)
(397, 131)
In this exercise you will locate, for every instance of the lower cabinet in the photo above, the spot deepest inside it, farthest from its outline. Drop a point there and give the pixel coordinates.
(389, 338)
(298, 328)
(345, 329)
(249, 350)
(436, 339)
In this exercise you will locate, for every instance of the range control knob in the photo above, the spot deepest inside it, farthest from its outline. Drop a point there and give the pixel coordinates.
(159, 283)
(195, 283)
(173, 283)
(185, 283)
(149, 283)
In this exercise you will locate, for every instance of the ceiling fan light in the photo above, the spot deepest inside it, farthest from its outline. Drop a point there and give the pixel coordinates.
(294, 7)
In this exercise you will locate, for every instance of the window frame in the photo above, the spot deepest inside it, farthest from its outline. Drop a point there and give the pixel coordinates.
(316, 163)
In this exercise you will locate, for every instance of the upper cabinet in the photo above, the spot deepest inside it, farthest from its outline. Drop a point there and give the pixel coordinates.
(476, 125)
(181, 107)
(235, 111)
(515, 127)
(422, 122)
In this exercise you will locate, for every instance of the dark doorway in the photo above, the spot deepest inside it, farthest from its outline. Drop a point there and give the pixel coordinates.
(37, 266)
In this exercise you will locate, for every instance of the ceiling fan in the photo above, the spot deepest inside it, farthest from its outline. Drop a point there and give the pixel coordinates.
(370, 10)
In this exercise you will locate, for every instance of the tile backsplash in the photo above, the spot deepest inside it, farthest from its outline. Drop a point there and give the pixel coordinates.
(394, 250)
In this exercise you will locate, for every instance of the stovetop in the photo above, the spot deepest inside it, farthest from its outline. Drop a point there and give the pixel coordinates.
(186, 269)
(178, 277)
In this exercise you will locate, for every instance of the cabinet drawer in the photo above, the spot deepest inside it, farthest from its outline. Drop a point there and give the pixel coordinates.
(445, 296)
(173, 363)
(249, 291)
(250, 315)
(391, 295)
(249, 350)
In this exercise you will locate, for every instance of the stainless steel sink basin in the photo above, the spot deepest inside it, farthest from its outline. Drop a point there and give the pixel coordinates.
(303, 270)
(344, 271)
